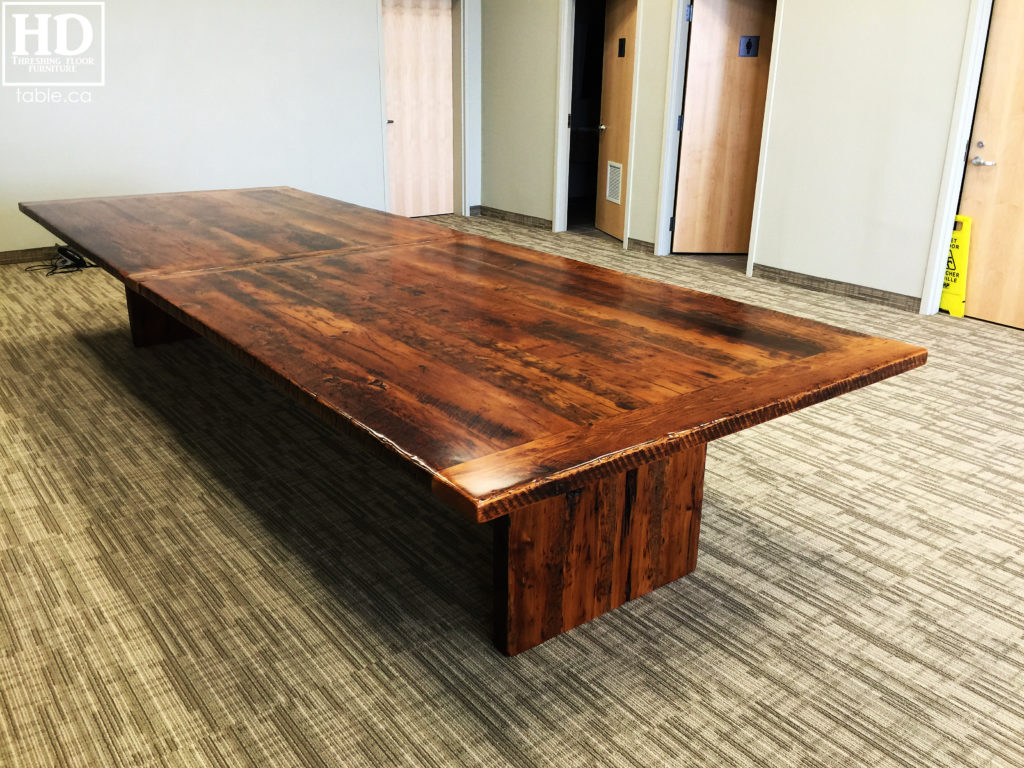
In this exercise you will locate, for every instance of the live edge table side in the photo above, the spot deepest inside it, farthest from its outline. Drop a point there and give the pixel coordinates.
(567, 405)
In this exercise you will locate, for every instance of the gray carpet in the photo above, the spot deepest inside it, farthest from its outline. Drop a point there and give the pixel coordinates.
(193, 571)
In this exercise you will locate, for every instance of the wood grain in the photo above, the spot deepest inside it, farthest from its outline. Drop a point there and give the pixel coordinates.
(566, 560)
(723, 114)
(993, 196)
(135, 237)
(503, 376)
(616, 112)
(493, 485)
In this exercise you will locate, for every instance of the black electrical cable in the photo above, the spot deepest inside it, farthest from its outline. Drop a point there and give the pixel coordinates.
(65, 262)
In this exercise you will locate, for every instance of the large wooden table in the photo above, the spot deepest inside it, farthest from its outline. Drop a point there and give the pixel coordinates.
(567, 405)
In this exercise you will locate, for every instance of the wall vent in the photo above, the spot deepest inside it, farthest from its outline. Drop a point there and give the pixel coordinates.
(613, 191)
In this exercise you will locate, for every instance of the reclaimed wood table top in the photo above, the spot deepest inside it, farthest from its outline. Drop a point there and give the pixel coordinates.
(504, 374)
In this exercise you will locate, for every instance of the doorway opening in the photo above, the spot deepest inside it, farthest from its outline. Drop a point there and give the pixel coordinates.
(585, 114)
(597, 52)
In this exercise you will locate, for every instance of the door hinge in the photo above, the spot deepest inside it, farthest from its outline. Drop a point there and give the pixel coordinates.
(679, 123)
(672, 224)
(689, 12)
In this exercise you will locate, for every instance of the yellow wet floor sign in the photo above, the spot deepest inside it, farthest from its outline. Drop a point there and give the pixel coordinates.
(954, 287)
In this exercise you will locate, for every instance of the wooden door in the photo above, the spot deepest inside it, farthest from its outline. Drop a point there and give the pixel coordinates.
(418, 91)
(993, 195)
(723, 114)
(616, 108)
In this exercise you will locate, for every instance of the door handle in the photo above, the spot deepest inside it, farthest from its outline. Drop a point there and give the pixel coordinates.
(979, 160)
(602, 128)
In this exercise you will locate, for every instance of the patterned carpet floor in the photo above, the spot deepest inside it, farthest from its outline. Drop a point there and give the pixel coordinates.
(194, 571)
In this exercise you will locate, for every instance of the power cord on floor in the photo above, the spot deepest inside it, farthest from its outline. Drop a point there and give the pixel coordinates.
(65, 262)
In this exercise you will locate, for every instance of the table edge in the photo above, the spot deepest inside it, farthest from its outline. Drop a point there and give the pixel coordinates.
(672, 426)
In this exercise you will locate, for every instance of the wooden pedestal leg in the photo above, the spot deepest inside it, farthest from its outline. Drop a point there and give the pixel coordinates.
(563, 561)
(150, 324)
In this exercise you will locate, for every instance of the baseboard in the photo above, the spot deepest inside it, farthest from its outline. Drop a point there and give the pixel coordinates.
(839, 288)
(27, 255)
(475, 210)
(515, 218)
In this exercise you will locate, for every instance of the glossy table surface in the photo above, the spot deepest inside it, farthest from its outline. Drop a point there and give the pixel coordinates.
(504, 374)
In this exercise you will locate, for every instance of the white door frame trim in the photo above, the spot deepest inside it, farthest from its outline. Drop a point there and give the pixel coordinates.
(633, 117)
(383, 107)
(566, 22)
(769, 109)
(678, 49)
(776, 56)
(964, 104)
(459, 155)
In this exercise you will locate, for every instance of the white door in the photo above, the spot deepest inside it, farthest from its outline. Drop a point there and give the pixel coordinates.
(418, 92)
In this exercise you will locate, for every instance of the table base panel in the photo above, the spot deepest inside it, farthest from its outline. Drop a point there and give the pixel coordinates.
(151, 325)
(563, 561)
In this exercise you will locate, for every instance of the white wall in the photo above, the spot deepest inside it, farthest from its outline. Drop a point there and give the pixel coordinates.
(207, 94)
(859, 122)
(520, 74)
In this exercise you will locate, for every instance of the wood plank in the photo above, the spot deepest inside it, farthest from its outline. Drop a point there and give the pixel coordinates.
(565, 560)
(605, 329)
(451, 325)
(494, 332)
(681, 317)
(416, 400)
(135, 237)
